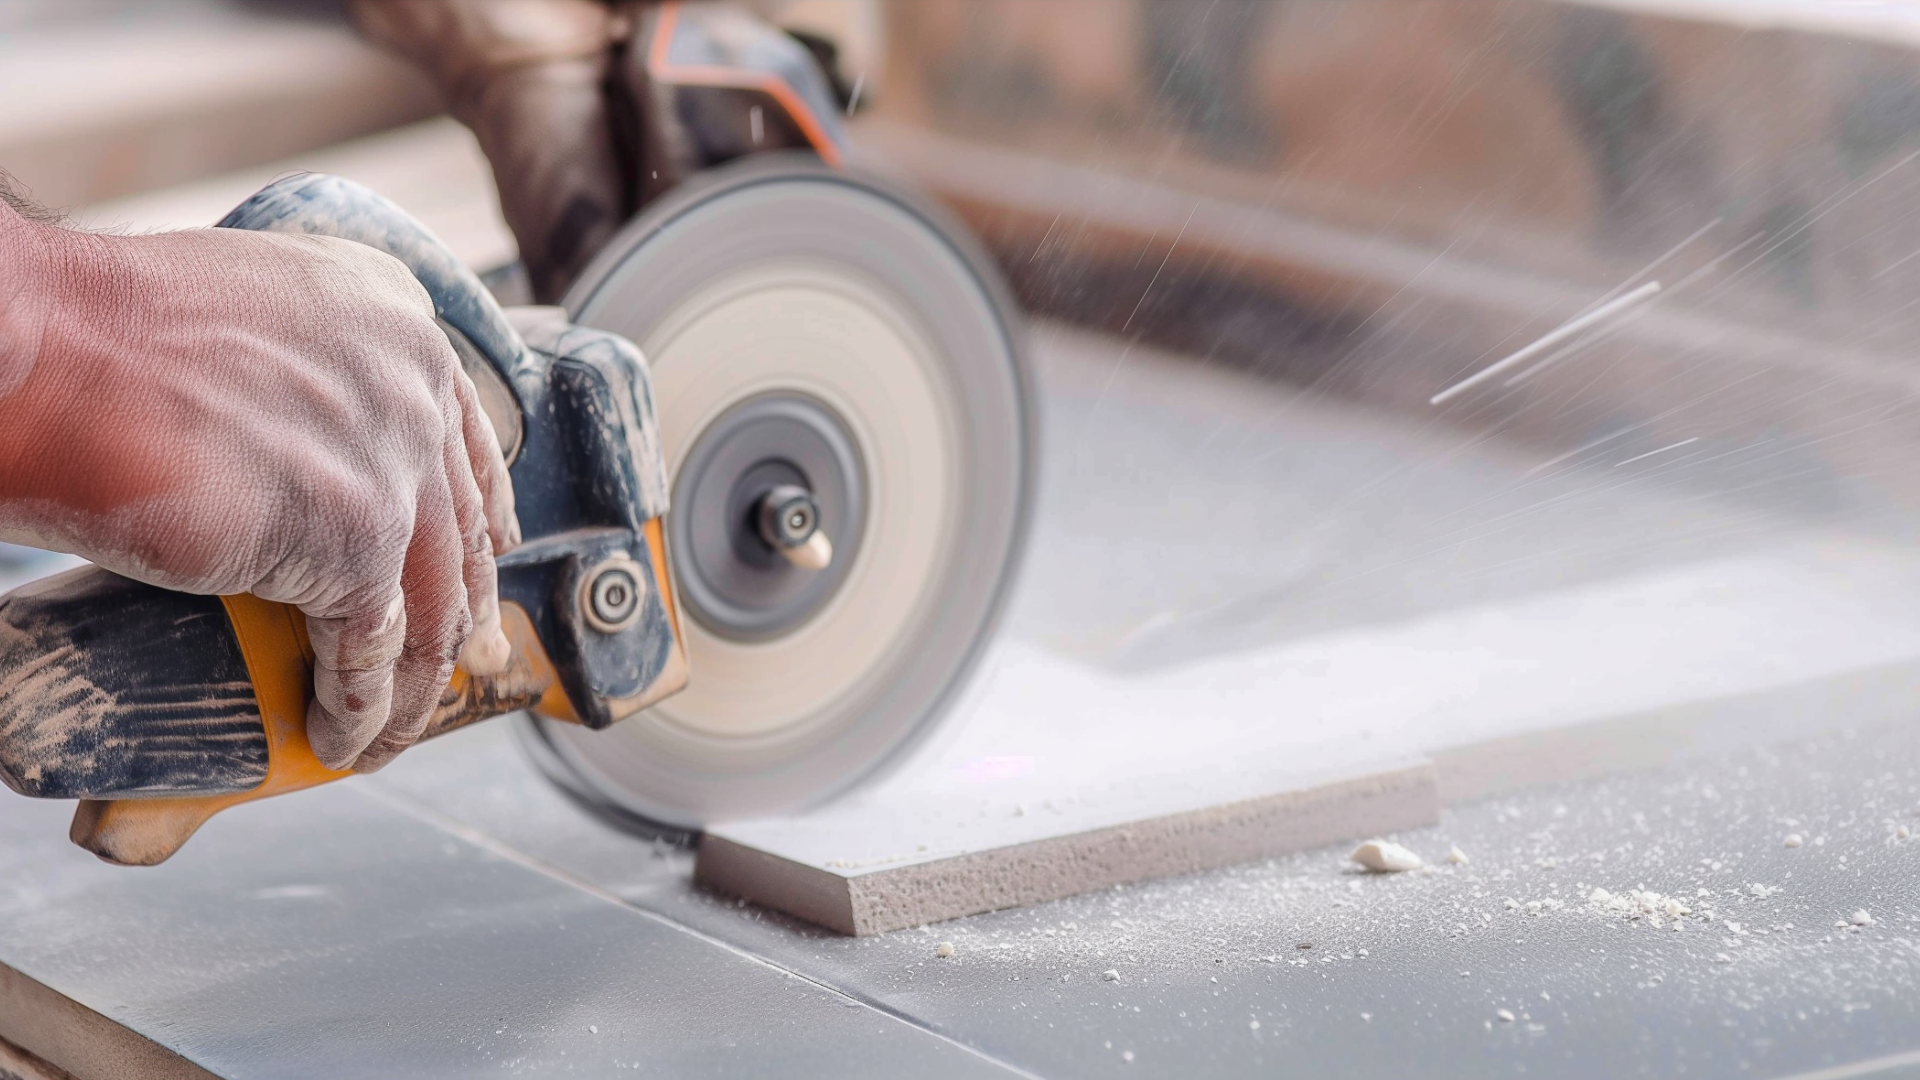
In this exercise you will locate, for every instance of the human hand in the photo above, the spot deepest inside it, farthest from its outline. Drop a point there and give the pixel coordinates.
(224, 411)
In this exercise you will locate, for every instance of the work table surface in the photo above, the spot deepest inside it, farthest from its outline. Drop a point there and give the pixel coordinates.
(456, 916)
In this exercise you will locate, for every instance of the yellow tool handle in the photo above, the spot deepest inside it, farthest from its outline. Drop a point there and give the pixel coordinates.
(279, 660)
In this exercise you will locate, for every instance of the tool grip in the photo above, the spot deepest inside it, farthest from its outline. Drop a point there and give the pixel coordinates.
(161, 708)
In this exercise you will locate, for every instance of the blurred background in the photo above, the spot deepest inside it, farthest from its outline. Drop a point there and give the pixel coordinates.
(1259, 239)
(1527, 387)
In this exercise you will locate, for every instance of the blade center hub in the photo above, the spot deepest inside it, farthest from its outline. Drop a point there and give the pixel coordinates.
(768, 511)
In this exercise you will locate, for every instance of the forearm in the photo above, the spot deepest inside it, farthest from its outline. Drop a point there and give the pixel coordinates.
(528, 76)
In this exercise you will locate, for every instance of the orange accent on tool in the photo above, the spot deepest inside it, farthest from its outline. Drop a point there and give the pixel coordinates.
(273, 641)
(657, 547)
(664, 70)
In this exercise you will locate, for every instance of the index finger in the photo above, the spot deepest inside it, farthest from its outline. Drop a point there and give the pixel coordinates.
(487, 464)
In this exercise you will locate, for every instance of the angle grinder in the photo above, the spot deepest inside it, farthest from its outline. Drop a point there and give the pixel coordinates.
(772, 464)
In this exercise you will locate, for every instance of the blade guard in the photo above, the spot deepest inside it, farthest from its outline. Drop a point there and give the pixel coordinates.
(154, 748)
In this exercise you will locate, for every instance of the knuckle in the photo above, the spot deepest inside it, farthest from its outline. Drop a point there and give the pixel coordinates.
(375, 528)
(476, 540)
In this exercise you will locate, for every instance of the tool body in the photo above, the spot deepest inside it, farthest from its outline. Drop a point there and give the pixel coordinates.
(833, 398)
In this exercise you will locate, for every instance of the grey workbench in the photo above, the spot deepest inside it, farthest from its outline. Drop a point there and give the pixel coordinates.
(456, 916)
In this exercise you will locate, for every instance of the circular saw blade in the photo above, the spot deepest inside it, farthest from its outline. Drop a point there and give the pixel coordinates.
(813, 326)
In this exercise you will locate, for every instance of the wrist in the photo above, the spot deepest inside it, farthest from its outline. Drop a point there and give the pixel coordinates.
(27, 286)
(43, 270)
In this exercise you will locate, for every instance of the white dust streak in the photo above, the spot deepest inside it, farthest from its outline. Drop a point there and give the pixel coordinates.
(1162, 266)
(1655, 264)
(1042, 246)
(1662, 450)
(1403, 288)
(1614, 330)
(1552, 338)
(1805, 221)
(1561, 354)
(1895, 265)
(1723, 257)
(1576, 452)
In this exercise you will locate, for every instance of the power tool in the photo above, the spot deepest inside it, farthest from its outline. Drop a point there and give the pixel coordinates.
(772, 466)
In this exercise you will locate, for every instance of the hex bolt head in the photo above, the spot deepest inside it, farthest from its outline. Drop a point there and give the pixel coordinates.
(613, 590)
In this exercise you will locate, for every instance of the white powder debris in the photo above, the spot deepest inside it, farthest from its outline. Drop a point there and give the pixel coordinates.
(1384, 857)
(944, 950)
(1456, 856)
(1902, 833)
(1364, 952)
(1722, 958)
(1505, 1015)
(1110, 975)
(1761, 892)
(1793, 840)
(1640, 904)
(1126, 1055)
(1253, 1025)
(593, 1029)
(1861, 918)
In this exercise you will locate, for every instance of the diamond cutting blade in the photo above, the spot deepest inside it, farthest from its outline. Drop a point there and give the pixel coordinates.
(812, 331)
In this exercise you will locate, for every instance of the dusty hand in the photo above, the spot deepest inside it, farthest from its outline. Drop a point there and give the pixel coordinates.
(220, 411)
